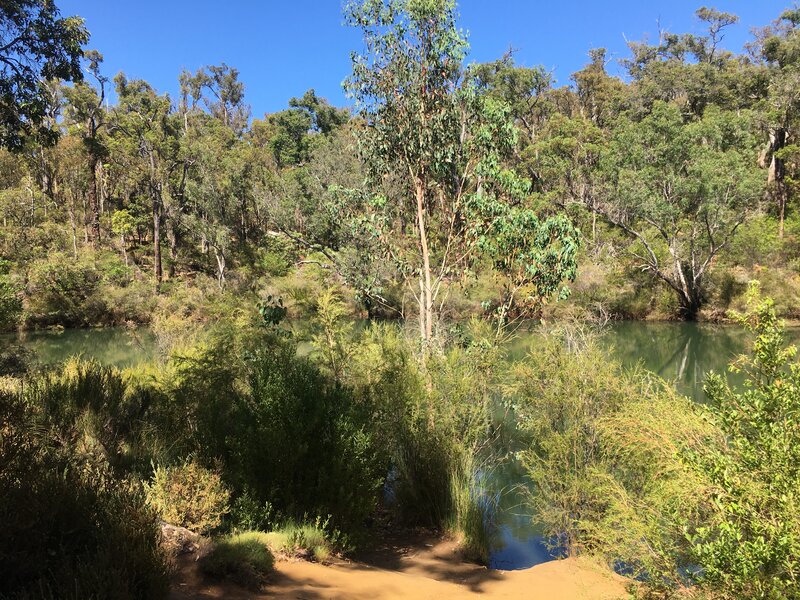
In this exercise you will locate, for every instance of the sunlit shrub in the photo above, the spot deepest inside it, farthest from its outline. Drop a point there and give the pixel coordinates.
(189, 495)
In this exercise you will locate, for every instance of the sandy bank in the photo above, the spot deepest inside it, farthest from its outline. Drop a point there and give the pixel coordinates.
(427, 570)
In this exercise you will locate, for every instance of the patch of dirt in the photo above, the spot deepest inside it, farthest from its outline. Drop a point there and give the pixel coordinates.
(416, 566)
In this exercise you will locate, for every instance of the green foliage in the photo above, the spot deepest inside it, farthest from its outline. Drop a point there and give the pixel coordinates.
(10, 303)
(189, 495)
(68, 527)
(446, 142)
(558, 394)
(122, 222)
(247, 513)
(312, 540)
(284, 432)
(681, 215)
(242, 557)
(750, 544)
(473, 509)
(39, 45)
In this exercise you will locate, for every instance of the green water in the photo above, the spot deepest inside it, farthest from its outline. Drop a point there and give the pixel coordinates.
(680, 352)
(115, 346)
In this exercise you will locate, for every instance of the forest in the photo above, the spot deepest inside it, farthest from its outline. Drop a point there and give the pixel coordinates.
(333, 291)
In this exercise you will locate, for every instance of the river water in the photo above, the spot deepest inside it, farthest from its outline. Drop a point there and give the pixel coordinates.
(682, 353)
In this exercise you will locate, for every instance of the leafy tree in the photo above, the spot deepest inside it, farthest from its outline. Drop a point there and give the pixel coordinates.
(779, 47)
(146, 138)
(427, 128)
(85, 111)
(36, 45)
(217, 182)
(681, 190)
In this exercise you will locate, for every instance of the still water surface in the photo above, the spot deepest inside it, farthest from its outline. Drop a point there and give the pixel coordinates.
(682, 353)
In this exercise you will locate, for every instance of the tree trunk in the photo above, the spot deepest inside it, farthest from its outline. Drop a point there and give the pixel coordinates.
(94, 205)
(157, 242)
(777, 174)
(426, 299)
(74, 228)
(220, 256)
(172, 238)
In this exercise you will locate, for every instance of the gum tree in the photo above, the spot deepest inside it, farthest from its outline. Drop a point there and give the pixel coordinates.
(435, 147)
(681, 190)
(36, 45)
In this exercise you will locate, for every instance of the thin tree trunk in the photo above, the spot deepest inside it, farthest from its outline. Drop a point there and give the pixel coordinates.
(94, 205)
(220, 256)
(172, 237)
(157, 271)
(427, 296)
(74, 228)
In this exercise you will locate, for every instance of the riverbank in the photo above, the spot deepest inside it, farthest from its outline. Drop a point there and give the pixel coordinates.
(419, 568)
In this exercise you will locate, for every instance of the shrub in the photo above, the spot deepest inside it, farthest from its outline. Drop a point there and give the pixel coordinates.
(474, 507)
(306, 539)
(749, 547)
(68, 528)
(62, 291)
(189, 495)
(243, 557)
(558, 393)
(94, 407)
(430, 421)
(247, 513)
(284, 432)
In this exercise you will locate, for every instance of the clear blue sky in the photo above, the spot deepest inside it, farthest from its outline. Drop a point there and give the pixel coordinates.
(284, 47)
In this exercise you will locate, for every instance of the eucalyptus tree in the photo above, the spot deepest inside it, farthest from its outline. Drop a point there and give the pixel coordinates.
(426, 129)
(681, 190)
(145, 137)
(525, 90)
(219, 90)
(36, 45)
(217, 184)
(694, 71)
(779, 46)
(84, 110)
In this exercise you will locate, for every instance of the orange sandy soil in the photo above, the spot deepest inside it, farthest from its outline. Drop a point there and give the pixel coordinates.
(422, 567)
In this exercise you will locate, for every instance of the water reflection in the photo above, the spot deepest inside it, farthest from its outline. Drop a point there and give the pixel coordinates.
(115, 346)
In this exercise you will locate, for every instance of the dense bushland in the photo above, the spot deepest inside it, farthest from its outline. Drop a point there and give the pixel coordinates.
(689, 498)
(118, 211)
(72, 527)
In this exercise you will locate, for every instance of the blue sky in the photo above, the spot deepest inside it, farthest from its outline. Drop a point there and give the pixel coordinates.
(283, 48)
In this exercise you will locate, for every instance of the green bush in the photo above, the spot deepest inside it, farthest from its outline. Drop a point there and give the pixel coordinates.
(10, 304)
(68, 527)
(190, 496)
(247, 513)
(243, 557)
(430, 421)
(306, 539)
(749, 546)
(558, 393)
(284, 432)
(62, 291)
(98, 409)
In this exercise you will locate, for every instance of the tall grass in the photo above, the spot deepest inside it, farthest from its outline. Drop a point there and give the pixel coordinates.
(474, 507)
